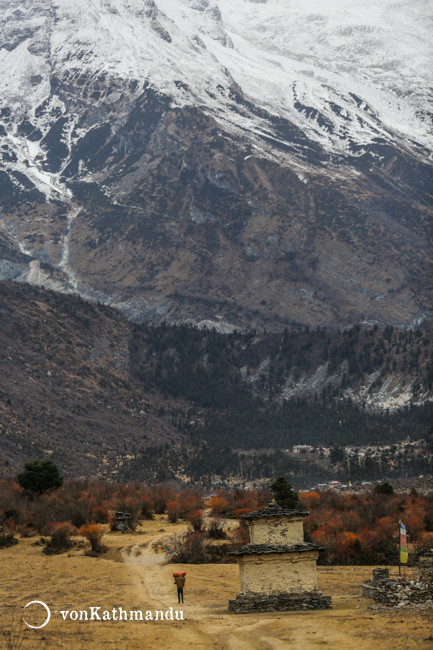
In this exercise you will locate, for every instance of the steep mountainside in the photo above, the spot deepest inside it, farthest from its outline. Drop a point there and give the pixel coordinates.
(81, 384)
(248, 163)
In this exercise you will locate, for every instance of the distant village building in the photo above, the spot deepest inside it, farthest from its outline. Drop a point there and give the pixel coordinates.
(277, 568)
(299, 449)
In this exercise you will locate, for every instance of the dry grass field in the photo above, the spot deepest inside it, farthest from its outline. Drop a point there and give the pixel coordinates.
(132, 576)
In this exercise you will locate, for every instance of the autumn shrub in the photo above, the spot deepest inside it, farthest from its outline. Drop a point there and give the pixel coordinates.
(100, 515)
(40, 512)
(371, 518)
(60, 537)
(215, 528)
(7, 534)
(26, 530)
(424, 542)
(239, 512)
(308, 500)
(241, 534)
(428, 516)
(173, 508)
(128, 504)
(11, 495)
(12, 514)
(233, 503)
(348, 540)
(189, 501)
(219, 506)
(66, 504)
(346, 548)
(414, 517)
(93, 533)
(160, 496)
(147, 508)
(196, 519)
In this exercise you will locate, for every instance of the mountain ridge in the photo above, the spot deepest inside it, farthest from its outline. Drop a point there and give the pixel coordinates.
(190, 161)
(103, 396)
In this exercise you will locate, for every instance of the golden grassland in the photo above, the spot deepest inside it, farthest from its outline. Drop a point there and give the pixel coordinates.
(132, 575)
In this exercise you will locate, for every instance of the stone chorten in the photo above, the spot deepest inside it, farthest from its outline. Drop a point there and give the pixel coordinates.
(277, 568)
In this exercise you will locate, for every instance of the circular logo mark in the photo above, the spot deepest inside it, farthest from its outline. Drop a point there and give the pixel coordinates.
(38, 602)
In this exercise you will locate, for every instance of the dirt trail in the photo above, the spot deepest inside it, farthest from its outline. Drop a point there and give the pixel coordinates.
(208, 624)
(155, 580)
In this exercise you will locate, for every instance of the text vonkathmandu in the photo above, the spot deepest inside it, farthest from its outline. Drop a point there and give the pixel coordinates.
(120, 614)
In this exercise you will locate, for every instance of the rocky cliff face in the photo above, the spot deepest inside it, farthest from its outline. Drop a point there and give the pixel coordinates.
(229, 163)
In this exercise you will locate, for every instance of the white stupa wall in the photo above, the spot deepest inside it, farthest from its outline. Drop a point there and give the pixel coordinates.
(278, 573)
(277, 530)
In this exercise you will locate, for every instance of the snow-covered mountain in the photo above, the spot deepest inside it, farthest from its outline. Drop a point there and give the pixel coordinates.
(231, 161)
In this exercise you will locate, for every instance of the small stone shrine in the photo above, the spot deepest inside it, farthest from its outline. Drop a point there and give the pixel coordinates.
(277, 568)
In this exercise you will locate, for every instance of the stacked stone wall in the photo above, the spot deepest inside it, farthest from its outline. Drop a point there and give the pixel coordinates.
(249, 603)
(380, 574)
(390, 593)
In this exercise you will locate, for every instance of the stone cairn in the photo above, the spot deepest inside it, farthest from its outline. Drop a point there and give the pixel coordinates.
(124, 522)
(277, 568)
(397, 593)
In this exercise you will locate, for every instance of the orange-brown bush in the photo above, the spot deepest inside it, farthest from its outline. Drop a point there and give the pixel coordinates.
(196, 520)
(147, 507)
(371, 517)
(219, 505)
(7, 534)
(363, 529)
(100, 515)
(234, 503)
(93, 533)
(173, 509)
(241, 535)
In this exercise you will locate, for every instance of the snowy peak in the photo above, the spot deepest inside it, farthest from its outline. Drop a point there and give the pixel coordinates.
(347, 72)
(154, 152)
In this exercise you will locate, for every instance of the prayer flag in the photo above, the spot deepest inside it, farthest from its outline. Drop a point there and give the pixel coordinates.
(403, 544)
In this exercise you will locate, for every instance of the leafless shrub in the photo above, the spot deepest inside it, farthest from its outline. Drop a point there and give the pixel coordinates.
(187, 548)
(215, 528)
(60, 540)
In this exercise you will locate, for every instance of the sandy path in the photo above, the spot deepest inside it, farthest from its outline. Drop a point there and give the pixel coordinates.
(209, 625)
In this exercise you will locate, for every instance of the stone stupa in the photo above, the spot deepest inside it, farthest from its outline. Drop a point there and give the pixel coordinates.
(277, 568)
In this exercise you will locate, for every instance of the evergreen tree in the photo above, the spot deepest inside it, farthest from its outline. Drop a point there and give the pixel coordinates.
(284, 494)
(384, 488)
(40, 476)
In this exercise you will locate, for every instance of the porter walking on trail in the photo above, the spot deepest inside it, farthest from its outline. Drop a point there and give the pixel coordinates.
(179, 581)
